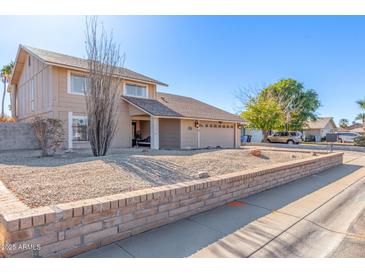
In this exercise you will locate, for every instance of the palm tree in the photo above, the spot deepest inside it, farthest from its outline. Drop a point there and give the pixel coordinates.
(361, 103)
(344, 123)
(5, 76)
(361, 117)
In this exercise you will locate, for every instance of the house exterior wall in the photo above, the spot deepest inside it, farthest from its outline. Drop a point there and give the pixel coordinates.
(189, 134)
(327, 129)
(314, 132)
(133, 111)
(53, 100)
(40, 75)
(319, 133)
(169, 133)
(123, 134)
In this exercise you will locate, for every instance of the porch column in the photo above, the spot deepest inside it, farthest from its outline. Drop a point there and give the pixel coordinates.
(154, 133)
(69, 131)
(236, 139)
(198, 134)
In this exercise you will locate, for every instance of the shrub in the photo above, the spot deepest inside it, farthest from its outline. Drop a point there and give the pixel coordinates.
(49, 133)
(7, 120)
(359, 141)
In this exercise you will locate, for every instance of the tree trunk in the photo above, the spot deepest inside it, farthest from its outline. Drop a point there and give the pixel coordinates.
(3, 101)
(102, 95)
(265, 134)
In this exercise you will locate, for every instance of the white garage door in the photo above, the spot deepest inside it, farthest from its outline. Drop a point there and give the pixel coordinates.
(214, 134)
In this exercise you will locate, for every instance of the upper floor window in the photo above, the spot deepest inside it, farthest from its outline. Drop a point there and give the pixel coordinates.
(135, 90)
(77, 83)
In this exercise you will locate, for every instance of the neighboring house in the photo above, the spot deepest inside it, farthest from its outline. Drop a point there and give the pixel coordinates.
(51, 84)
(356, 127)
(359, 130)
(319, 128)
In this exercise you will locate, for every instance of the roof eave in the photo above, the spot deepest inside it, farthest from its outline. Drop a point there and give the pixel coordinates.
(179, 117)
(85, 70)
(201, 119)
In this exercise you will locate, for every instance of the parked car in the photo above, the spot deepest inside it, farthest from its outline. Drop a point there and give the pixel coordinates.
(288, 137)
(347, 137)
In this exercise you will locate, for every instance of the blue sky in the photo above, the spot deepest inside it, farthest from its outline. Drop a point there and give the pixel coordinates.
(211, 57)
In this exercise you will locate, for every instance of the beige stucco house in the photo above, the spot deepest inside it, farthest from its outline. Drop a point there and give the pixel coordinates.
(319, 128)
(51, 84)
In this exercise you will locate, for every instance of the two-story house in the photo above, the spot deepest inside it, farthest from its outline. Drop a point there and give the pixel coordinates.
(51, 84)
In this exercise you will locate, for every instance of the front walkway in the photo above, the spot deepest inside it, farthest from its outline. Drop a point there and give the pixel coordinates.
(315, 216)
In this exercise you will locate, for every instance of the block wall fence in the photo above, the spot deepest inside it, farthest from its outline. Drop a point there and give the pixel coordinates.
(65, 230)
(17, 136)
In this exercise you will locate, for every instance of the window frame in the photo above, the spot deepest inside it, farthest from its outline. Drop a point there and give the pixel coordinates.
(69, 74)
(135, 84)
(72, 133)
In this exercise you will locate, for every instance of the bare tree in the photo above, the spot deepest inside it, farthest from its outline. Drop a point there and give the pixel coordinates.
(244, 94)
(101, 94)
(290, 105)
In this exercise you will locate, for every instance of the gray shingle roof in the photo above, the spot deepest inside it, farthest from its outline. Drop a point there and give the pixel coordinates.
(80, 63)
(170, 105)
(153, 107)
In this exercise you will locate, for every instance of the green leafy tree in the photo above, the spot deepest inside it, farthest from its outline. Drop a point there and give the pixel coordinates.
(361, 117)
(344, 123)
(263, 112)
(298, 104)
(5, 76)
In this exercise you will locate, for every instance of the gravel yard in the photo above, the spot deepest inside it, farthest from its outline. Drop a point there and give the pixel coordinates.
(73, 176)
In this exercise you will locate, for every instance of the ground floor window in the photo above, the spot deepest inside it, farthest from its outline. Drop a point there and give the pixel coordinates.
(79, 128)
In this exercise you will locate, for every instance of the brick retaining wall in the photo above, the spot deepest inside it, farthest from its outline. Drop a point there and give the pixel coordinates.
(17, 136)
(66, 230)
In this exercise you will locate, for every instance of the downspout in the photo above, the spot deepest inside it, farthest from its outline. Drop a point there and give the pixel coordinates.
(198, 135)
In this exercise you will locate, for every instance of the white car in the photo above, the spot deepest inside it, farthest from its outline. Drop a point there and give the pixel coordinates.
(347, 137)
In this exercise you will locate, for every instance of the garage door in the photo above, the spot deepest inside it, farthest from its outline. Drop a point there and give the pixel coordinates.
(215, 134)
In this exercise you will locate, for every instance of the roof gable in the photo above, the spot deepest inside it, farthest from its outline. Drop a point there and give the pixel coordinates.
(320, 122)
(77, 63)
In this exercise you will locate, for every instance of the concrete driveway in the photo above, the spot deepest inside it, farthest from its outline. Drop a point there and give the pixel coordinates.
(318, 216)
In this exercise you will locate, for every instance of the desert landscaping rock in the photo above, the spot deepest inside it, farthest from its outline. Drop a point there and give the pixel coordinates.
(78, 175)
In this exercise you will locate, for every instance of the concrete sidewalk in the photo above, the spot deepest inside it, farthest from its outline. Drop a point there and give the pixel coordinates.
(320, 146)
(309, 217)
